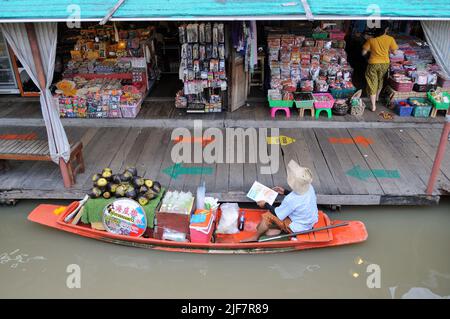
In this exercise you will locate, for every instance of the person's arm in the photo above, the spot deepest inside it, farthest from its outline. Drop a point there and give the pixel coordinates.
(393, 47)
(270, 208)
(281, 190)
(366, 48)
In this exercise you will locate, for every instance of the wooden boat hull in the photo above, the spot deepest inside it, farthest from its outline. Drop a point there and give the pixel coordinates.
(354, 232)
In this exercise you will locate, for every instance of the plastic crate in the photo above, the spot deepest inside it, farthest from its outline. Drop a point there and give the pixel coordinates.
(439, 105)
(320, 35)
(323, 104)
(422, 111)
(281, 103)
(342, 93)
(403, 110)
(307, 102)
(130, 111)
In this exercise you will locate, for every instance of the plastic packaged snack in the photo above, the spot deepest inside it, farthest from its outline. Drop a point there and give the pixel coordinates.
(220, 33)
(228, 219)
(201, 33)
(173, 235)
(192, 32)
(208, 32)
(182, 33)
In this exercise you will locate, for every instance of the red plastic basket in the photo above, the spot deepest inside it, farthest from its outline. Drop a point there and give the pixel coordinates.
(402, 87)
(337, 35)
(323, 104)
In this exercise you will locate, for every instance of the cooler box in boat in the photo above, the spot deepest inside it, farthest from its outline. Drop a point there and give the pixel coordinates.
(201, 226)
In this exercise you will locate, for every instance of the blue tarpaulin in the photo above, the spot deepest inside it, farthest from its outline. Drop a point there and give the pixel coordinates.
(95, 10)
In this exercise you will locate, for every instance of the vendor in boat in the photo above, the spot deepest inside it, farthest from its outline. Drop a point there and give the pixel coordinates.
(298, 210)
(379, 47)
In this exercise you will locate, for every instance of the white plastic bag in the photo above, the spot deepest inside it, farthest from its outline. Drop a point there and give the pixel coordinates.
(228, 219)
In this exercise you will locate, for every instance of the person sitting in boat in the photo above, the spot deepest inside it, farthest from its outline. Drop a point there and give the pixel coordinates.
(298, 210)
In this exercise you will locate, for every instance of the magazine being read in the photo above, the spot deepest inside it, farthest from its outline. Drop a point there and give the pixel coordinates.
(260, 192)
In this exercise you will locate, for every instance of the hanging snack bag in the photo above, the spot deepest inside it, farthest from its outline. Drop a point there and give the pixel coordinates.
(215, 52)
(192, 32)
(202, 52)
(209, 51)
(182, 33)
(221, 51)
(195, 52)
(215, 34)
(208, 33)
(201, 33)
(221, 33)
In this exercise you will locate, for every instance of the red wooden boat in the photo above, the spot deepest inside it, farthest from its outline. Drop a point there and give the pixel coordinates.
(354, 232)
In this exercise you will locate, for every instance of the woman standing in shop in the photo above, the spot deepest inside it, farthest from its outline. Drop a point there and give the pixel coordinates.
(379, 47)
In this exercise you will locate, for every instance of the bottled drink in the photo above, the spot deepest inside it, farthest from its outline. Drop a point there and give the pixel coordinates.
(241, 222)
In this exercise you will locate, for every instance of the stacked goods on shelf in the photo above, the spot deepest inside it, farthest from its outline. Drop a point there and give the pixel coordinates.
(303, 64)
(413, 68)
(98, 98)
(202, 67)
(106, 78)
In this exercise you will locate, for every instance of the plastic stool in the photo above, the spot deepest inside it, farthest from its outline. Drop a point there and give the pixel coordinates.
(435, 110)
(286, 110)
(301, 111)
(328, 110)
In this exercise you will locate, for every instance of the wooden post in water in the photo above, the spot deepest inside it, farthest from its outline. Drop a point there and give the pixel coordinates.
(31, 32)
(439, 156)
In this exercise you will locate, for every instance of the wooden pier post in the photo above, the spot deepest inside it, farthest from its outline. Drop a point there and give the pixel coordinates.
(439, 156)
(31, 32)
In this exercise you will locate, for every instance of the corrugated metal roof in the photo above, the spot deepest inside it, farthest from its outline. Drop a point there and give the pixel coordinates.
(53, 9)
(387, 8)
(147, 9)
(95, 10)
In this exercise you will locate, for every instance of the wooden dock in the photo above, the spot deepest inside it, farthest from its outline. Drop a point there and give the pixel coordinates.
(160, 112)
(351, 166)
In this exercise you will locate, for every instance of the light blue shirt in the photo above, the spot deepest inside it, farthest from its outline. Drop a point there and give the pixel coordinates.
(301, 209)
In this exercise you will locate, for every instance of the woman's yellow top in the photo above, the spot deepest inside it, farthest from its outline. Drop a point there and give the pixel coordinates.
(379, 48)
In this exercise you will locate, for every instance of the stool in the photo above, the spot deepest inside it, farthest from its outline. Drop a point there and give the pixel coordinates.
(328, 110)
(435, 110)
(286, 110)
(301, 111)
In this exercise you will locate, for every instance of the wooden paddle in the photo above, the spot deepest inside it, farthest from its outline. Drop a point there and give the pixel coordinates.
(301, 232)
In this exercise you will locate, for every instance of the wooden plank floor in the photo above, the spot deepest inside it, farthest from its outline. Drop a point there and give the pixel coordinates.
(395, 166)
(155, 113)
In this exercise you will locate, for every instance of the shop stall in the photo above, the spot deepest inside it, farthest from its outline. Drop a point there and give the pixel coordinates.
(109, 73)
(417, 86)
(202, 67)
(308, 68)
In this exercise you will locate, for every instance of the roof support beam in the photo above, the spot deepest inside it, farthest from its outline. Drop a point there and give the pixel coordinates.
(307, 9)
(111, 12)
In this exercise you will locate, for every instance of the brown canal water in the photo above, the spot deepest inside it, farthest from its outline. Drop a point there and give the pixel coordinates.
(406, 255)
